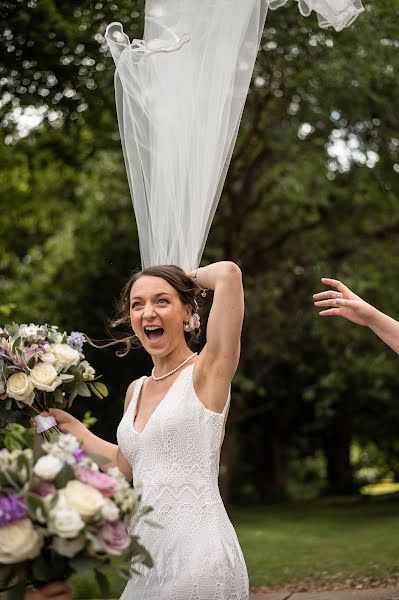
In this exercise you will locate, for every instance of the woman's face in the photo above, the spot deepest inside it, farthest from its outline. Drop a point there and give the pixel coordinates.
(157, 314)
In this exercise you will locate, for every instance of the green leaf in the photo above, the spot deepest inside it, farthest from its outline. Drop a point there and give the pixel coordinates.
(101, 388)
(31, 362)
(66, 474)
(66, 377)
(103, 583)
(83, 390)
(153, 524)
(94, 390)
(16, 344)
(84, 564)
(37, 509)
(41, 570)
(58, 396)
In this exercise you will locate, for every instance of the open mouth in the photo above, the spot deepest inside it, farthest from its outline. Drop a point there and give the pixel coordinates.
(154, 333)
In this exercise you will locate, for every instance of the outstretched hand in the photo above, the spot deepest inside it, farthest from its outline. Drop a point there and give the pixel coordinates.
(343, 303)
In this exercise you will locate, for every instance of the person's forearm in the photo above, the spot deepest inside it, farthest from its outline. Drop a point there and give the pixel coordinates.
(209, 276)
(96, 445)
(386, 328)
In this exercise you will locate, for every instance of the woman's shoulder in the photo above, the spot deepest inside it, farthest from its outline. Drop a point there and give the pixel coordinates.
(130, 392)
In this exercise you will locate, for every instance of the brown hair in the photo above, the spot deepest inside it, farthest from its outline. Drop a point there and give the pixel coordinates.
(178, 279)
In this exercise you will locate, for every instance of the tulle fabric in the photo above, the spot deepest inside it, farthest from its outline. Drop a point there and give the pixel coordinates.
(180, 94)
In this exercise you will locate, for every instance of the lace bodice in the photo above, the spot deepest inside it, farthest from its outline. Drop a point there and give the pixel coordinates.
(176, 456)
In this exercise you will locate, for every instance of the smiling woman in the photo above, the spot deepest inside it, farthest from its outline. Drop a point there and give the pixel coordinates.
(171, 287)
(173, 427)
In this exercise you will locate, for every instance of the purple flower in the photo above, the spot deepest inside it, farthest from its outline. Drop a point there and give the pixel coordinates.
(103, 482)
(44, 489)
(78, 454)
(76, 340)
(114, 537)
(11, 509)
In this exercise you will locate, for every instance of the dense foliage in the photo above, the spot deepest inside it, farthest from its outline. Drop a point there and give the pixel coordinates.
(312, 191)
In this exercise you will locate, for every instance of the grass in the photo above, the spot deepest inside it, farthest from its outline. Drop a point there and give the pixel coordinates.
(321, 542)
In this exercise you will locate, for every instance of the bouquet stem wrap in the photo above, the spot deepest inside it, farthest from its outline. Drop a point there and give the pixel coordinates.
(180, 94)
(44, 423)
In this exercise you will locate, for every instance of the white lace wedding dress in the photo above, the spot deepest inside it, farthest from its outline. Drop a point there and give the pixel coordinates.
(196, 554)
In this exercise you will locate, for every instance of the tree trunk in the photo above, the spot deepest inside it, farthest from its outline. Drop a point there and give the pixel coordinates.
(269, 454)
(337, 451)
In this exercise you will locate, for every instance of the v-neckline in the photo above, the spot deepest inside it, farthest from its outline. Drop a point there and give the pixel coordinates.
(159, 403)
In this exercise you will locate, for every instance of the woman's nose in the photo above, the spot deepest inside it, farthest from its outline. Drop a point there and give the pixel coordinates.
(148, 311)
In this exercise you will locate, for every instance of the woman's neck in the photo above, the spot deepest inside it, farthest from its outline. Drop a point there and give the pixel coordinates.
(164, 364)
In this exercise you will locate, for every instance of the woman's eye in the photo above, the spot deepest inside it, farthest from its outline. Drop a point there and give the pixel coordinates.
(135, 304)
(163, 300)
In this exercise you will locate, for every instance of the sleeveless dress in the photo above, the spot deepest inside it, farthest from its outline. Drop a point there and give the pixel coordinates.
(196, 553)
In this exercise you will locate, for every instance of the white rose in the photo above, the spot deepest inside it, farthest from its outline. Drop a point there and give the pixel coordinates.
(65, 355)
(109, 510)
(67, 547)
(65, 521)
(45, 377)
(84, 498)
(49, 357)
(19, 541)
(19, 387)
(48, 467)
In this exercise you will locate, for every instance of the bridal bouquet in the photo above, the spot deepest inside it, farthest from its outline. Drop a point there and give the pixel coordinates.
(40, 368)
(61, 515)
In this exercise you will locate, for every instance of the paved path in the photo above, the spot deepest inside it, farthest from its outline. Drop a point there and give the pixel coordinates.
(373, 594)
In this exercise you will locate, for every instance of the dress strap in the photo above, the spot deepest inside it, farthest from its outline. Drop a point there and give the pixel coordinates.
(227, 403)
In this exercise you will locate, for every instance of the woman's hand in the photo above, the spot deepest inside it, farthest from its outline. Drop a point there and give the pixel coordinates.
(345, 304)
(66, 423)
(58, 590)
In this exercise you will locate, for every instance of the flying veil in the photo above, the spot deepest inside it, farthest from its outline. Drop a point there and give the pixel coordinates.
(180, 94)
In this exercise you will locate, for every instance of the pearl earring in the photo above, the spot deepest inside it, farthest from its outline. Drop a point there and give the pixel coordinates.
(187, 326)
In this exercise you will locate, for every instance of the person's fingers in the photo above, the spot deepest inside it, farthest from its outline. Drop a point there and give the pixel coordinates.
(327, 294)
(336, 283)
(330, 312)
(58, 414)
(56, 588)
(338, 301)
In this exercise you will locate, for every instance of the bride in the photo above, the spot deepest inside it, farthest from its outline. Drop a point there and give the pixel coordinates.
(172, 431)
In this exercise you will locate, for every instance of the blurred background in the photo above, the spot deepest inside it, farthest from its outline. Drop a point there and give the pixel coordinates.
(312, 191)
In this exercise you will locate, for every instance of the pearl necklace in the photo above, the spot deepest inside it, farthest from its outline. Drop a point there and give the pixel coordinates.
(174, 370)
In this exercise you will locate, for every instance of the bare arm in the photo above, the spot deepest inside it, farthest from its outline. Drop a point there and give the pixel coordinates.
(218, 361)
(344, 303)
(92, 443)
